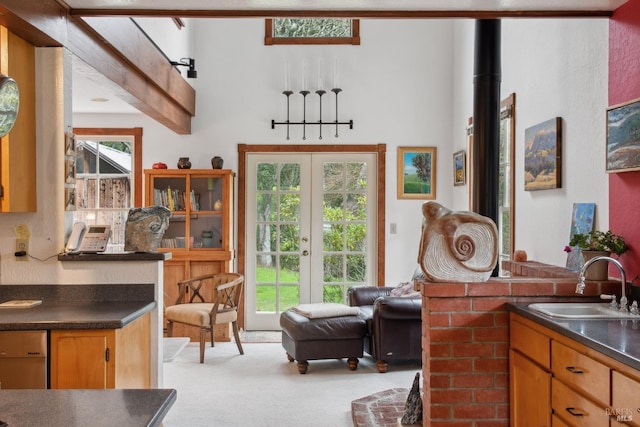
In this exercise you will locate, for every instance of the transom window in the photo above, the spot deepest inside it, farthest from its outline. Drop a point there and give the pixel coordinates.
(312, 31)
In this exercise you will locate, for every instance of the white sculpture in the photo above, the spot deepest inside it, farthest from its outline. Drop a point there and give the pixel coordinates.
(457, 246)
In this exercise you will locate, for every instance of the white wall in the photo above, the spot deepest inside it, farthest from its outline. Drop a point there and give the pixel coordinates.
(408, 84)
(556, 68)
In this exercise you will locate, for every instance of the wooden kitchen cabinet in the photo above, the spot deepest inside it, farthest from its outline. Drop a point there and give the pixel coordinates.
(529, 376)
(101, 358)
(18, 148)
(200, 232)
(580, 386)
(624, 400)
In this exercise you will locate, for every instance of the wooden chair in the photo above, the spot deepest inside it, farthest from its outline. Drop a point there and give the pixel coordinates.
(206, 301)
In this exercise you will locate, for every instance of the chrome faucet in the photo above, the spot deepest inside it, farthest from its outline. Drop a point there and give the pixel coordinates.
(623, 279)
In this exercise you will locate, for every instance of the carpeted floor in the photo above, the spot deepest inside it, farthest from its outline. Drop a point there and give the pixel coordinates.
(262, 389)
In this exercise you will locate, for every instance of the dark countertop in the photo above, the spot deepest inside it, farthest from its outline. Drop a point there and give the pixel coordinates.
(123, 256)
(73, 315)
(106, 306)
(618, 339)
(80, 408)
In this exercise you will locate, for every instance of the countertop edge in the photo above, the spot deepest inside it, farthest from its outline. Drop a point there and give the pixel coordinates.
(591, 343)
(164, 409)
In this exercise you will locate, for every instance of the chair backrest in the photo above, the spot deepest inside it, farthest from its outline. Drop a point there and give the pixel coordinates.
(224, 289)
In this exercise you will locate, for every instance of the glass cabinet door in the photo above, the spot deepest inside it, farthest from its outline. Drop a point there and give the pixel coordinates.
(196, 205)
(206, 226)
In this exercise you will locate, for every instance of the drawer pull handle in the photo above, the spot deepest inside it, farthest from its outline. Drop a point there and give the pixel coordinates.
(573, 412)
(574, 370)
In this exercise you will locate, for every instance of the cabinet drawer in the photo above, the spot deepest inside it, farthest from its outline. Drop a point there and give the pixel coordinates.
(574, 409)
(530, 342)
(581, 372)
(625, 405)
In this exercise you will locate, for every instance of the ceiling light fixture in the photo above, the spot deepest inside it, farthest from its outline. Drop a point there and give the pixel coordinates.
(187, 62)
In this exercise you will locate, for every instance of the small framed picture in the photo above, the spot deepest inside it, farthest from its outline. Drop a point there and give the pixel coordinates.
(417, 173)
(623, 137)
(459, 168)
(543, 156)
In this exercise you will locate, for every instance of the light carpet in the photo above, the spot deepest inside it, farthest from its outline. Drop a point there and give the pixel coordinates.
(263, 389)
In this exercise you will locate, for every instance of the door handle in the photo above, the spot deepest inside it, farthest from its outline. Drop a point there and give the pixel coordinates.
(305, 239)
(305, 253)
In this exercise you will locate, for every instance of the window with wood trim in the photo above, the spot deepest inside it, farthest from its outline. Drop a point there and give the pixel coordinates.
(312, 31)
(108, 178)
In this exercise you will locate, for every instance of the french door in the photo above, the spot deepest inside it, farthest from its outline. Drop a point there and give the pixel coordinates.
(311, 230)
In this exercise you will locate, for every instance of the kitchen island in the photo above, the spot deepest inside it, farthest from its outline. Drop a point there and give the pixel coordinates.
(80, 408)
(100, 336)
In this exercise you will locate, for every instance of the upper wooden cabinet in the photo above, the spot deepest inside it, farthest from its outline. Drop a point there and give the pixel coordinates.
(18, 147)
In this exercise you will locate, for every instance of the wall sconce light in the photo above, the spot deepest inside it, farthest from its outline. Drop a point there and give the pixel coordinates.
(187, 62)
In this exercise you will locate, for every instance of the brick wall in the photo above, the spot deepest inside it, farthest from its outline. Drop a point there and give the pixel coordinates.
(465, 342)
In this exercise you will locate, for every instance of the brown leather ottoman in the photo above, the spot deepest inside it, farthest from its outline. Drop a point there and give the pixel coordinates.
(307, 339)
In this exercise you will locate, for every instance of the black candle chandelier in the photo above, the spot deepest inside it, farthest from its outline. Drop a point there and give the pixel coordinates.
(304, 123)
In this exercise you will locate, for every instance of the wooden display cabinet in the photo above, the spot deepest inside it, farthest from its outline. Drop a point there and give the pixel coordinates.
(200, 232)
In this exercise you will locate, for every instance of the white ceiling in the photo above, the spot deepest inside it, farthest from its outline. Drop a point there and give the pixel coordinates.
(88, 85)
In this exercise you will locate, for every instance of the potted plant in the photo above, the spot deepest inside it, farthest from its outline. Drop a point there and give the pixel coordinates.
(598, 243)
(601, 241)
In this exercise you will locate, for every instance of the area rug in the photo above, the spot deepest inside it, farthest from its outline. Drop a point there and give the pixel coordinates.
(260, 336)
(171, 347)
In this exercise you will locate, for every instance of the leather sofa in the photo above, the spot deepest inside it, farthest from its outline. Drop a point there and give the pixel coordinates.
(394, 324)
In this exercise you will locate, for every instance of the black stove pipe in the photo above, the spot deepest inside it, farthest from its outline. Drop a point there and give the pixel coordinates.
(486, 118)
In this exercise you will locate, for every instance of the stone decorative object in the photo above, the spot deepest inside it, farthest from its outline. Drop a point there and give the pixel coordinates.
(145, 227)
(217, 162)
(413, 406)
(457, 246)
(184, 163)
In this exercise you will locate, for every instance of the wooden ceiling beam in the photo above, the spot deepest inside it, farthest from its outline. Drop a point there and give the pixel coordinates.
(140, 73)
(320, 13)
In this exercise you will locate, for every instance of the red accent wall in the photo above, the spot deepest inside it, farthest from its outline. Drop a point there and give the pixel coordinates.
(624, 86)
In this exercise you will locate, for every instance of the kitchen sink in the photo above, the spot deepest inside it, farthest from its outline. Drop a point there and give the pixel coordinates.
(576, 310)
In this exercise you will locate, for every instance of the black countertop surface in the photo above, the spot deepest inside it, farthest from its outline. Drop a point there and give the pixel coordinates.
(73, 315)
(618, 339)
(81, 408)
(109, 306)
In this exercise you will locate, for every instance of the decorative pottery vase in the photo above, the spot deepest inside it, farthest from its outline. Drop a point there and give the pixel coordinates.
(217, 205)
(217, 162)
(184, 163)
(598, 271)
(207, 238)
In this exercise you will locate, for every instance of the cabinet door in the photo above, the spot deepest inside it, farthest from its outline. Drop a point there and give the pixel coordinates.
(530, 392)
(79, 359)
(625, 402)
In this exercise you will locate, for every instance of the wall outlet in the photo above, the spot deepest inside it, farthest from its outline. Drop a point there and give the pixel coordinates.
(22, 245)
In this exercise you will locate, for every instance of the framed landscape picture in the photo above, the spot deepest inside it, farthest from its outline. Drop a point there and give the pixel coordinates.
(623, 137)
(417, 173)
(459, 168)
(542, 155)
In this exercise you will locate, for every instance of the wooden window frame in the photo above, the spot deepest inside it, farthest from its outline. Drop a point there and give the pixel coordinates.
(136, 133)
(270, 40)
